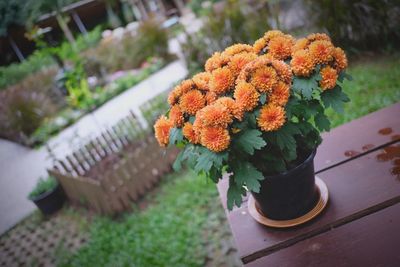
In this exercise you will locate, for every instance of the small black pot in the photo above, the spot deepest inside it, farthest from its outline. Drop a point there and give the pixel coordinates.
(290, 194)
(50, 201)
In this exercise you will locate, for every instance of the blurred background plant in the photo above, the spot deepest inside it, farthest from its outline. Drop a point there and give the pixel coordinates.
(359, 24)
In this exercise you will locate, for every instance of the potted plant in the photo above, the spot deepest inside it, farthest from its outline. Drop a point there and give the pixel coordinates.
(257, 112)
(47, 195)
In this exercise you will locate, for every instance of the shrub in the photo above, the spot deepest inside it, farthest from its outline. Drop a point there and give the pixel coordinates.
(43, 186)
(22, 112)
(360, 24)
(131, 51)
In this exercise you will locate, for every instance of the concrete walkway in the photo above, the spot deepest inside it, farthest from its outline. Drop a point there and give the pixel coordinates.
(21, 167)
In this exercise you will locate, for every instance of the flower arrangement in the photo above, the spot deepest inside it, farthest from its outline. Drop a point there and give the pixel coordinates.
(256, 110)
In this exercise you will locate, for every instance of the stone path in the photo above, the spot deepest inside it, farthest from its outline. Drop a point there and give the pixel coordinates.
(21, 167)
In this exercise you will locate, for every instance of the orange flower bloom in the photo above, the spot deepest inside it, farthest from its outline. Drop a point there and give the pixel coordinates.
(259, 45)
(302, 63)
(215, 139)
(329, 77)
(264, 78)
(176, 116)
(237, 49)
(281, 47)
(318, 36)
(340, 59)
(321, 51)
(211, 97)
(222, 80)
(273, 34)
(192, 101)
(189, 133)
(216, 115)
(198, 124)
(174, 95)
(271, 118)
(237, 62)
(162, 128)
(201, 80)
(187, 85)
(232, 106)
(300, 44)
(283, 70)
(246, 96)
(217, 60)
(280, 94)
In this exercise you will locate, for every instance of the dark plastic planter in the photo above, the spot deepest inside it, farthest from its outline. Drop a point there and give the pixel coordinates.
(50, 201)
(290, 194)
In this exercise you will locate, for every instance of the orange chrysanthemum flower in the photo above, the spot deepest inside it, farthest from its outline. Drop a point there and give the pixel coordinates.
(302, 64)
(329, 78)
(217, 60)
(192, 101)
(300, 44)
(237, 49)
(174, 95)
(216, 115)
(215, 139)
(176, 116)
(271, 118)
(280, 94)
(264, 78)
(280, 47)
(187, 85)
(211, 97)
(237, 62)
(222, 80)
(318, 36)
(246, 96)
(189, 133)
(259, 46)
(273, 34)
(283, 70)
(321, 51)
(202, 80)
(232, 106)
(340, 59)
(161, 129)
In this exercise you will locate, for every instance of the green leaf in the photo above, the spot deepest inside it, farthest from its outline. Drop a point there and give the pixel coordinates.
(208, 159)
(343, 75)
(285, 136)
(177, 166)
(234, 194)
(246, 174)
(175, 136)
(322, 122)
(263, 98)
(334, 98)
(306, 86)
(249, 141)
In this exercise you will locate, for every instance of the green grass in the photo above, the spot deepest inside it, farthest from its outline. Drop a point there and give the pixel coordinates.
(168, 233)
(376, 84)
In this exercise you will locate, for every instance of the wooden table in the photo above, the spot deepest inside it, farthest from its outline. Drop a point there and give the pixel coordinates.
(359, 162)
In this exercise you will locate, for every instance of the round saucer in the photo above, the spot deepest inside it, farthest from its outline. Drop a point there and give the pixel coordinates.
(319, 207)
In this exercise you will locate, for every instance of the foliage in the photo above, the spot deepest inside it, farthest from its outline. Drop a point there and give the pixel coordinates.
(11, 13)
(157, 236)
(43, 186)
(132, 50)
(197, 6)
(359, 24)
(238, 22)
(22, 112)
(257, 110)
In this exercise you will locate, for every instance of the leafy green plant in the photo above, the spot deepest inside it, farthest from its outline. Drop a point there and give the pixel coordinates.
(43, 186)
(260, 117)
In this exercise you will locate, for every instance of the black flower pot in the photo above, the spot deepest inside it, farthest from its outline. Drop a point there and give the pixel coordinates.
(50, 201)
(290, 194)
